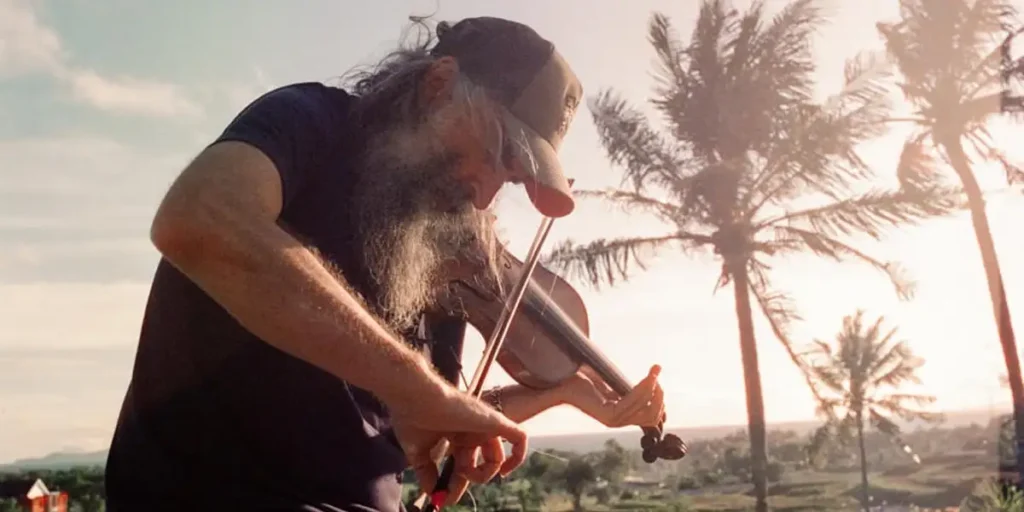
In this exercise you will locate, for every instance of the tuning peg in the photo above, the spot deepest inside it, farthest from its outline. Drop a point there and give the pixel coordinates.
(649, 456)
(647, 442)
(672, 447)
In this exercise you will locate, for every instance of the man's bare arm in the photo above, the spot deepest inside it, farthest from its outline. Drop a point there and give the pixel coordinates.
(218, 226)
(520, 403)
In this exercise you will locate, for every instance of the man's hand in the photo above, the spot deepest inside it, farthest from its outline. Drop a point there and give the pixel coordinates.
(471, 427)
(643, 406)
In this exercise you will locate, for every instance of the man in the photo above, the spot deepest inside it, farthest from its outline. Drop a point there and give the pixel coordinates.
(300, 250)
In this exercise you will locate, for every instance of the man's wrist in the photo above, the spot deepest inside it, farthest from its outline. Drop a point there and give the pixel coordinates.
(558, 395)
(493, 398)
(412, 384)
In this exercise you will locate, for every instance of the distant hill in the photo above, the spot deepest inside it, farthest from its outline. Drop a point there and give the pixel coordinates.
(630, 437)
(58, 460)
(627, 437)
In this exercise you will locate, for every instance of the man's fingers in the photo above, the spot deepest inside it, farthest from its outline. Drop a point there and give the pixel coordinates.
(641, 393)
(518, 455)
(651, 416)
(600, 385)
(633, 404)
(465, 459)
(640, 409)
(493, 455)
(457, 488)
(426, 473)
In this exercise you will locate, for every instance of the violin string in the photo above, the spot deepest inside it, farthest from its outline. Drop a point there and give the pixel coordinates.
(462, 374)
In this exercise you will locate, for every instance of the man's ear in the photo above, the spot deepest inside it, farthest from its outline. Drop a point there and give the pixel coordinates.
(439, 79)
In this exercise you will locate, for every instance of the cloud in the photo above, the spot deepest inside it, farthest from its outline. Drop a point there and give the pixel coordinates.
(77, 209)
(131, 95)
(28, 46)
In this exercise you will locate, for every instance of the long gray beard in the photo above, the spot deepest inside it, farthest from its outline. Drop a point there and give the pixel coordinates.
(415, 222)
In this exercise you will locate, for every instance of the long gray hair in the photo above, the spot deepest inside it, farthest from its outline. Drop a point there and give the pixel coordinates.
(406, 246)
(389, 91)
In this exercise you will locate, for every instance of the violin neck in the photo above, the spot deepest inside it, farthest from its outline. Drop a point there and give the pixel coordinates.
(573, 341)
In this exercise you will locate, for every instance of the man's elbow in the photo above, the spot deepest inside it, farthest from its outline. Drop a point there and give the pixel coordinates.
(225, 197)
(177, 236)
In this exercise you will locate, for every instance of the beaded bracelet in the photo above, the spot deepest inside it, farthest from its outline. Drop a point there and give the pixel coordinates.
(493, 397)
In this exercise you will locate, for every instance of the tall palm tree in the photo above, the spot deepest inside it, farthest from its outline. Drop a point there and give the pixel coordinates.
(957, 72)
(752, 169)
(859, 383)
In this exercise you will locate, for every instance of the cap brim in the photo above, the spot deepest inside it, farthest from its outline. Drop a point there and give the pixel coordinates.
(548, 189)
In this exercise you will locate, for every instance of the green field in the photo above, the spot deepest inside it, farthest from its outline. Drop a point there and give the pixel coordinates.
(939, 483)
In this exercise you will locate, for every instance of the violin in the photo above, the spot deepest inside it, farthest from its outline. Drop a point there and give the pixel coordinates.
(540, 348)
(549, 340)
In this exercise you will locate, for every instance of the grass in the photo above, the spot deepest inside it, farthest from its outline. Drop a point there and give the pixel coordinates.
(936, 483)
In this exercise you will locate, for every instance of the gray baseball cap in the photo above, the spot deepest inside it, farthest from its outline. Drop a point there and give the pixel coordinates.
(525, 74)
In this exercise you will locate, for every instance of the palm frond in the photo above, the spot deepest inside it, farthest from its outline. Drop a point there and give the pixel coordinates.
(779, 309)
(883, 424)
(907, 407)
(831, 378)
(670, 73)
(646, 158)
(1014, 171)
(871, 212)
(606, 261)
(784, 48)
(792, 239)
(895, 376)
(995, 70)
(917, 168)
(814, 148)
(690, 76)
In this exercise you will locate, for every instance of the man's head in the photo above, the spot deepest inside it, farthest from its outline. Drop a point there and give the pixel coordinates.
(448, 125)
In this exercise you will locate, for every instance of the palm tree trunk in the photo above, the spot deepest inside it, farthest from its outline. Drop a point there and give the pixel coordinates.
(994, 276)
(752, 383)
(866, 500)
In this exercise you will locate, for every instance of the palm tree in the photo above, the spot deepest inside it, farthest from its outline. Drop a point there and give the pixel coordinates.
(752, 169)
(990, 495)
(859, 383)
(954, 58)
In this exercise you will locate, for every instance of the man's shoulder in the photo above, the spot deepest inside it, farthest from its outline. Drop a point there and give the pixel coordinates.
(312, 97)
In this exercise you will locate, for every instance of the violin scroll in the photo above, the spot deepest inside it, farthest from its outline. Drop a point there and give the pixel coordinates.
(667, 447)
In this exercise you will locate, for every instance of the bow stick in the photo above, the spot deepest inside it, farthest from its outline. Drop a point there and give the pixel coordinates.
(491, 350)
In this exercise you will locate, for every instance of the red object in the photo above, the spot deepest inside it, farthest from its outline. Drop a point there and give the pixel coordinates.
(438, 499)
(33, 496)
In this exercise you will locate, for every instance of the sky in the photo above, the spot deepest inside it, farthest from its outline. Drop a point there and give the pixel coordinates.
(102, 102)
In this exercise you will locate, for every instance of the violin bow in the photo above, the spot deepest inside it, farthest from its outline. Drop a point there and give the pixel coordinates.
(440, 492)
